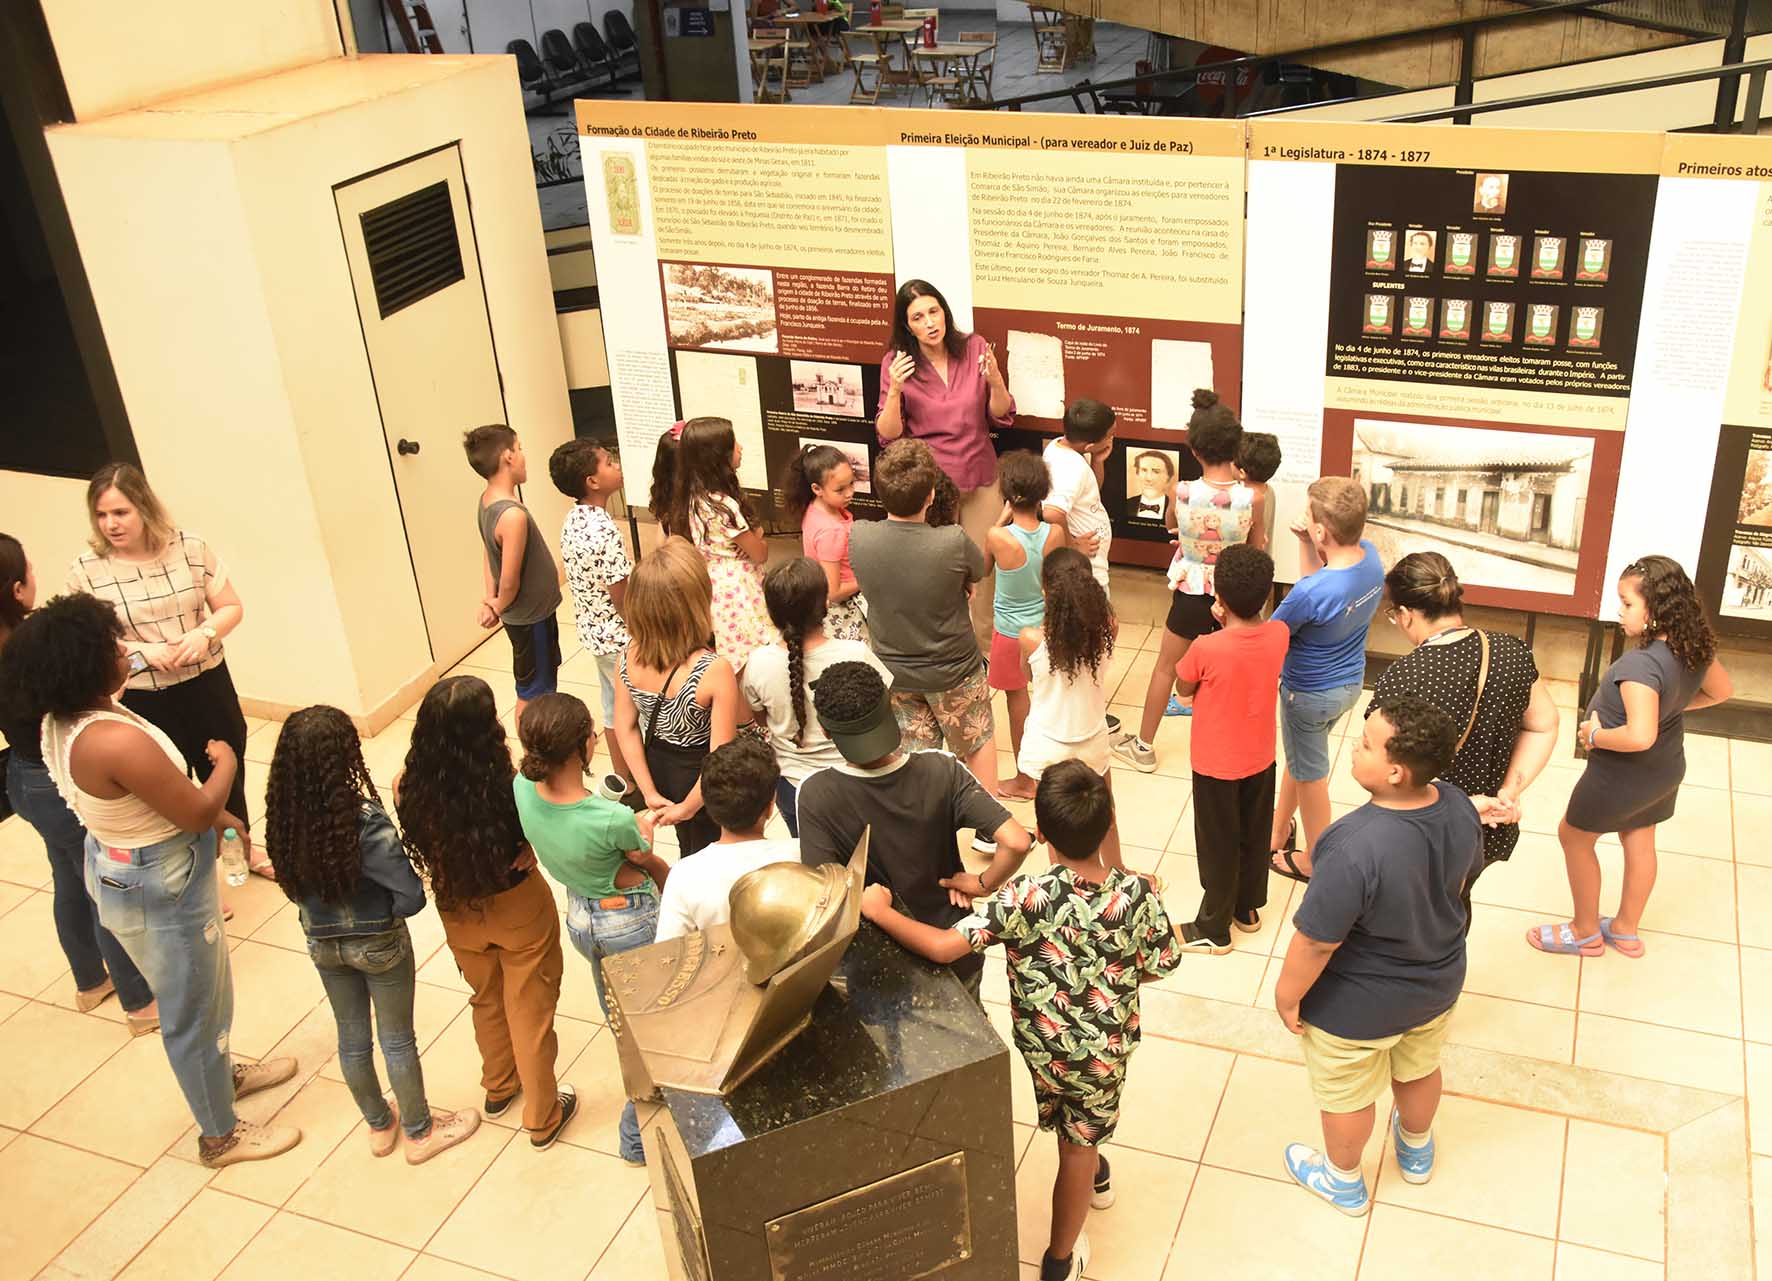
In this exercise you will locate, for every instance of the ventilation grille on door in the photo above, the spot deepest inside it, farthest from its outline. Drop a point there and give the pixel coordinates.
(413, 247)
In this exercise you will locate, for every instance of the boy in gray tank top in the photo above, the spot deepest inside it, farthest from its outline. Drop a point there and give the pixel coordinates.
(522, 584)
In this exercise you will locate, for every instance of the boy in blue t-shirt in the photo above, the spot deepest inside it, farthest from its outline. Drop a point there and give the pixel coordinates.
(1375, 969)
(1340, 583)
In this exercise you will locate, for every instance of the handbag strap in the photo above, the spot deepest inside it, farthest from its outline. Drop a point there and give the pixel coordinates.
(1482, 680)
(664, 690)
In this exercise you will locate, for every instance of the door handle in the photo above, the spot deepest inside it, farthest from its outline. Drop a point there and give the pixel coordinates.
(406, 446)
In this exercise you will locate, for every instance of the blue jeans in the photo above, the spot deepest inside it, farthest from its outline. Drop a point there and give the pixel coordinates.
(91, 949)
(598, 931)
(161, 903)
(359, 971)
(787, 800)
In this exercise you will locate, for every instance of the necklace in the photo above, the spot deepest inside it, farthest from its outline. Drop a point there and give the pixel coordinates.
(1447, 633)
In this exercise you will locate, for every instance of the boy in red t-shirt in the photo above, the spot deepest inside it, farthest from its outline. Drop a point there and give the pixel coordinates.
(1234, 676)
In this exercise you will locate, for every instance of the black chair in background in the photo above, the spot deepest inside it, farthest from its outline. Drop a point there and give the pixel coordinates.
(531, 73)
(562, 59)
(621, 38)
(593, 54)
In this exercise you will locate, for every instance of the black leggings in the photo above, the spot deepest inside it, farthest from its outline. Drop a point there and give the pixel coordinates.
(193, 712)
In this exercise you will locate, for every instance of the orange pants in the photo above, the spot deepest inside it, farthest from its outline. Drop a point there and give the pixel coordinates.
(509, 952)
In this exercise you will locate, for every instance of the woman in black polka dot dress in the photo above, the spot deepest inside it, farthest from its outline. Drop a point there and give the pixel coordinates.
(1486, 681)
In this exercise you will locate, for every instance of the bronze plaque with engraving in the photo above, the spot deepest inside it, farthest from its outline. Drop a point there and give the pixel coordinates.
(905, 1226)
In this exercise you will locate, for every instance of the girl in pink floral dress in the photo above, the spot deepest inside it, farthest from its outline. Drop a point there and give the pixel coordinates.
(707, 506)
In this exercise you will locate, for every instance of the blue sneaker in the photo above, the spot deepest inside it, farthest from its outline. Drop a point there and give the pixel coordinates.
(1416, 1164)
(1310, 1169)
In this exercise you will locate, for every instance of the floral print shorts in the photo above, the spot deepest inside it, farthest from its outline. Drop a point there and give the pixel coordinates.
(961, 716)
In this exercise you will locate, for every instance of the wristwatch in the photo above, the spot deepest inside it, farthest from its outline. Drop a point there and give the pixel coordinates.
(208, 631)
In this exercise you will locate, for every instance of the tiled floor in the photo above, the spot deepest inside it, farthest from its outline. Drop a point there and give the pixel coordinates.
(1596, 1123)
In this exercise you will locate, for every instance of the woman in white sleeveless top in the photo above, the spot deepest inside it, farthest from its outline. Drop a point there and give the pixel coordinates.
(150, 858)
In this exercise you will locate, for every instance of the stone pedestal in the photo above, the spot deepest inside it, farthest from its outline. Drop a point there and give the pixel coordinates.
(876, 1147)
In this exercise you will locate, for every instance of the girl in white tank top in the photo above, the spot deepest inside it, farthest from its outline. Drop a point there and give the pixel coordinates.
(127, 821)
(1067, 659)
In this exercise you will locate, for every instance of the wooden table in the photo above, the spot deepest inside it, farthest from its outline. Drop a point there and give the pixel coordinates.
(962, 58)
(816, 27)
(893, 78)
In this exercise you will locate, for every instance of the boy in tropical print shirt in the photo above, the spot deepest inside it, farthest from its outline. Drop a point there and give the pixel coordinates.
(1080, 939)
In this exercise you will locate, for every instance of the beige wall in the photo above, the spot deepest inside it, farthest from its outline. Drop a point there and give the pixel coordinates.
(115, 56)
(48, 515)
(179, 295)
(223, 288)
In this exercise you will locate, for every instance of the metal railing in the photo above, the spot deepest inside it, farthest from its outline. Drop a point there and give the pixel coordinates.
(1131, 94)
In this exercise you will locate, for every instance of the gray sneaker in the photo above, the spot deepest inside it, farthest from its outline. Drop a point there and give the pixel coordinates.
(1136, 754)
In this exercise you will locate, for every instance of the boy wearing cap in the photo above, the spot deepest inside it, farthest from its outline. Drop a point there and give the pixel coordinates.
(915, 804)
(1081, 938)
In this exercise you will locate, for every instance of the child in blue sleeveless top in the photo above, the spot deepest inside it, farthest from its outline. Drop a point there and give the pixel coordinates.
(1015, 548)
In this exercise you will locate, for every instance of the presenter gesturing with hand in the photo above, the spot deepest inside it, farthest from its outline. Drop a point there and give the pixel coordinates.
(945, 388)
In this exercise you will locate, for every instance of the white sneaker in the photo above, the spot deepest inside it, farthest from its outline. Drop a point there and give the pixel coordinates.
(1079, 1260)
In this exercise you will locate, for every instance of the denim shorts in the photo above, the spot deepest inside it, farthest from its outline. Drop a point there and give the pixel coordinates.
(1306, 717)
(608, 672)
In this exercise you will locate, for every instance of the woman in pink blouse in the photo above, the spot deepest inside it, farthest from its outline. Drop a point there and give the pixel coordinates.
(943, 387)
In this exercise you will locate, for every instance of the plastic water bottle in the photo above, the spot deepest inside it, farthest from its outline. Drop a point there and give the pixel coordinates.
(233, 857)
(612, 787)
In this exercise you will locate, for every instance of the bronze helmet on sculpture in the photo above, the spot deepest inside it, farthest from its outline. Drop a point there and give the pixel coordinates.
(784, 912)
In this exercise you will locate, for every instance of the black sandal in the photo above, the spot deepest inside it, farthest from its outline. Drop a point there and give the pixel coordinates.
(1290, 871)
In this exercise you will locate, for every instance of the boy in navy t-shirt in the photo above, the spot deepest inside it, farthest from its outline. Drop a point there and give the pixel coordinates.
(1340, 583)
(1377, 964)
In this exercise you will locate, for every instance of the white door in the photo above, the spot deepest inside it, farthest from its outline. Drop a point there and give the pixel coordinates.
(409, 238)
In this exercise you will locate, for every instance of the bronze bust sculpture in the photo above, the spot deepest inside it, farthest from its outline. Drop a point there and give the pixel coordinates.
(704, 1011)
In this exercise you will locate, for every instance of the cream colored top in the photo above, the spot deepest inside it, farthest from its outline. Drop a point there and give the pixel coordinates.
(159, 600)
(127, 822)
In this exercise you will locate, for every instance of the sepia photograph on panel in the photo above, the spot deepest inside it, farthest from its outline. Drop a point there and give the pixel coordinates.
(822, 388)
(1747, 583)
(721, 308)
(1506, 507)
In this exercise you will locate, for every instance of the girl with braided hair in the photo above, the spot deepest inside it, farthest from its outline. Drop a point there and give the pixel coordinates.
(343, 866)
(777, 681)
(1634, 734)
(1065, 659)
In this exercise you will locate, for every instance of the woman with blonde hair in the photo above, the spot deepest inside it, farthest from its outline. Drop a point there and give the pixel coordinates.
(677, 700)
(176, 603)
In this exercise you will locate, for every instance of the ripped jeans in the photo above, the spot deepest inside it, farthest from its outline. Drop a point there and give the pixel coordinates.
(161, 903)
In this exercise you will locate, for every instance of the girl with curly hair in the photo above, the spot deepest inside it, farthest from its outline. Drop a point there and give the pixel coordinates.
(96, 959)
(150, 858)
(1066, 661)
(1634, 735)
(709, 508)
(455, 803)
(341, 863)
(593, 846)
(777, 681)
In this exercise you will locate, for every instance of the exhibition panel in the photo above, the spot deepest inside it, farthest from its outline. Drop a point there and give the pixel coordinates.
(749, 261)
(1467, 308)
(1506, 335)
